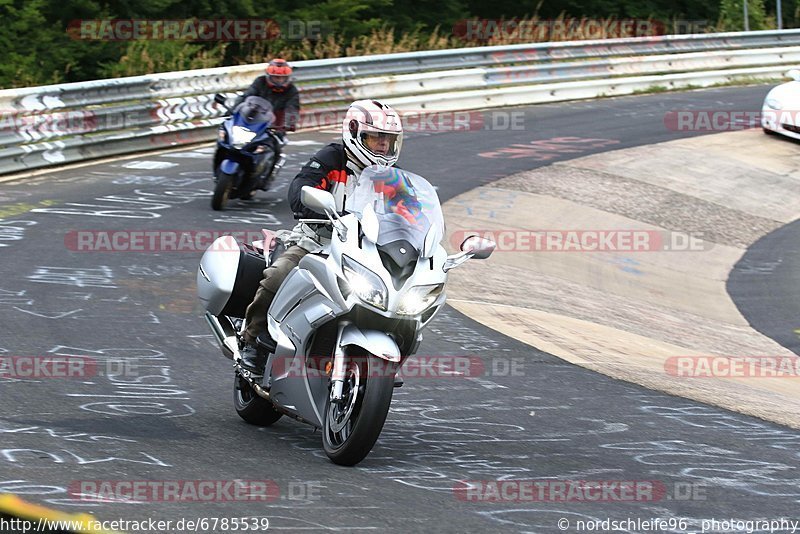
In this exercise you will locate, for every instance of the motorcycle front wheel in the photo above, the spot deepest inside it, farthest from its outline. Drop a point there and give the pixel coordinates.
(222, 191)
(352, 426)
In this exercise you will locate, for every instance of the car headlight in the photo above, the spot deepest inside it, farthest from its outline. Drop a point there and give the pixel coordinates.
(367, 285)
(241, 136)
(774, 103)
(419, 298)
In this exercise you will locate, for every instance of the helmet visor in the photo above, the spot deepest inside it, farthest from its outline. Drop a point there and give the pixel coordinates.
(278, 80)
(382, 143)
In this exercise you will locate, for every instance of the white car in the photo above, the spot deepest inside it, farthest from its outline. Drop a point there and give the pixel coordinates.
(779, 114)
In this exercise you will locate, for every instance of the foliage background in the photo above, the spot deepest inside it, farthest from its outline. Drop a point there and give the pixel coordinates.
(38, 50)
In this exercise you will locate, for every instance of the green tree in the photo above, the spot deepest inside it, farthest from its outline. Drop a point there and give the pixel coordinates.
(731, 15)
(348, 18)
(23, 40)
(664, 10)
(145, 57)
(40, 45)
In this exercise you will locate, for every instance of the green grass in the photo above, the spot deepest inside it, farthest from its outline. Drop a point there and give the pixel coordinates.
(739, 82)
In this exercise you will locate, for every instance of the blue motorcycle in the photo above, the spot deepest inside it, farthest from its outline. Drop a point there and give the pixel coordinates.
(245, 159)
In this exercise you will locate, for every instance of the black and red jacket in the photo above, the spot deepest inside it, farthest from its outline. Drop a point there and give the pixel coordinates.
(324, 170)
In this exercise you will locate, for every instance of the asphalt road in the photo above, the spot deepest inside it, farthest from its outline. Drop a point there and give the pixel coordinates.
(159, 407)
(765, 284)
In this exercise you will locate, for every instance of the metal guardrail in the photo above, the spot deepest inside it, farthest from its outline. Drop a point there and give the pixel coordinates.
(56, 124)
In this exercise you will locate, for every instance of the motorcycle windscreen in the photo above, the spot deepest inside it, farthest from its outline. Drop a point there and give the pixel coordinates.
(406, 205)
(255, 112)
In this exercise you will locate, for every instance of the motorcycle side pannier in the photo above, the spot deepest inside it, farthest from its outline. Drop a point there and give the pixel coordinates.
(228, 276)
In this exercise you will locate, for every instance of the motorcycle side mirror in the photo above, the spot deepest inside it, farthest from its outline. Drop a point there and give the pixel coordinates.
(318, 200)
(369, 223)
(220, 99)
(477, 246)
(322, 201)
(472, 247)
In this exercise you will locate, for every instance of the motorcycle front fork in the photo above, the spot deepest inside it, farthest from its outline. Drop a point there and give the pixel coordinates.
(279, 165)
(339, 363)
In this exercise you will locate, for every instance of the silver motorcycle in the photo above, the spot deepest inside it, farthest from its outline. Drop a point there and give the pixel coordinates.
(346, 319)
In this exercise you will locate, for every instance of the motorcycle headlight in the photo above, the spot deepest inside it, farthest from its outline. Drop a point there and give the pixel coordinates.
(367, 285)
(419, 298)
(221, 135)
(241, 136)
(774, 103)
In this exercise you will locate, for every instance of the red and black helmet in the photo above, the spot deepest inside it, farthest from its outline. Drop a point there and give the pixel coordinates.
(278, 73)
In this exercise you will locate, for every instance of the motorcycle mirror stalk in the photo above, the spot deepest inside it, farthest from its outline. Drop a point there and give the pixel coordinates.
(221, 100)
(473, 247)
(323, 202)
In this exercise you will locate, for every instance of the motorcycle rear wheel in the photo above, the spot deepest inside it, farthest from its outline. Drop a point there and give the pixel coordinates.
(352, 426)
(250, 407)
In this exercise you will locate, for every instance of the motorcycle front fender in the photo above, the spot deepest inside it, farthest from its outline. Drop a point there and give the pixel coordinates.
(375, 342)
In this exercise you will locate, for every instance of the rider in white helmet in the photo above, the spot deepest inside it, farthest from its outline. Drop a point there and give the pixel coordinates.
(372, 134)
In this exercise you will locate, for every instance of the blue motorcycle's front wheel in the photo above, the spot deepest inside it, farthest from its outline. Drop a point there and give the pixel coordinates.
(222, 191)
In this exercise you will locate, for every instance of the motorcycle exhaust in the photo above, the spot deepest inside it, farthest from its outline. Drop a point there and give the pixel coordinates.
(230, 349)
(227, 341)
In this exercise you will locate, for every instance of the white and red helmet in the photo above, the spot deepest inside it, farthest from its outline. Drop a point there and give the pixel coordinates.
(372, 133)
